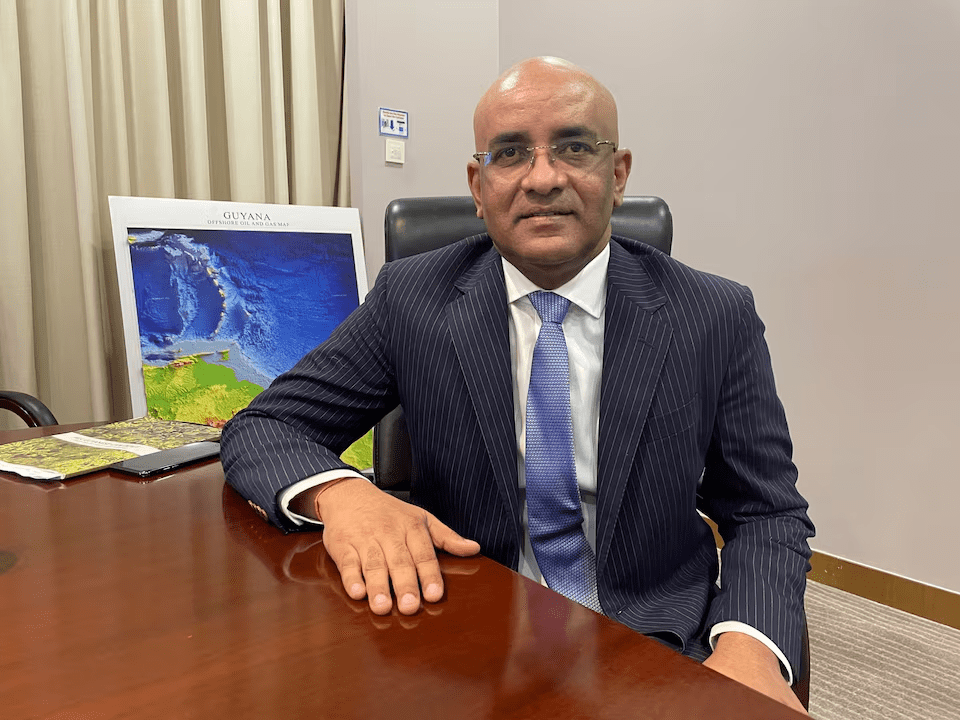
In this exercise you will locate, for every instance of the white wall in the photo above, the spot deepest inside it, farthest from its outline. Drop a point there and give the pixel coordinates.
(808, 148)
(434, 60)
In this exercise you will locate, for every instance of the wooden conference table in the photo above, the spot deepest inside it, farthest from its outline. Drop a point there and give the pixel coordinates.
(173, 599)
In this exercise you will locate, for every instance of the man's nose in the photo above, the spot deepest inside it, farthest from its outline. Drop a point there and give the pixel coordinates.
(544, 173)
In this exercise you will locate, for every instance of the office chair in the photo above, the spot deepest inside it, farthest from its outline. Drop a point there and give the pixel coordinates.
(416, 225)
(29, 409)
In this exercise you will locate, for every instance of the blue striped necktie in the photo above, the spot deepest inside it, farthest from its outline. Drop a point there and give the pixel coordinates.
(553, 500)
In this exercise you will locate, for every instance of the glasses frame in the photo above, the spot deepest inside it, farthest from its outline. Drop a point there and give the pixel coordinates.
(483, 157)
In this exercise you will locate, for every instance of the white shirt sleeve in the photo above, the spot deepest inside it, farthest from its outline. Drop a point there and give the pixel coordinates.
(288, 493)
(734, 626)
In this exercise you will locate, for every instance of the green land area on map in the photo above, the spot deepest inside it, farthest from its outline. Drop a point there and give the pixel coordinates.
(190, 389)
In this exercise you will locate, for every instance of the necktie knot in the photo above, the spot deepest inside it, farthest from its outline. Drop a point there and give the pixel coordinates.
(551, 307)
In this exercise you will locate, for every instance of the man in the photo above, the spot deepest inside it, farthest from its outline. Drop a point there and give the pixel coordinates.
(669, 378)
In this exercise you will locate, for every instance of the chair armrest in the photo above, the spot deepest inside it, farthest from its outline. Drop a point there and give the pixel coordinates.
(33, 412)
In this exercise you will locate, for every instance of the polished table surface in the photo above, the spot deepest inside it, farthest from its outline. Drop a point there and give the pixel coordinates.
(173, 599)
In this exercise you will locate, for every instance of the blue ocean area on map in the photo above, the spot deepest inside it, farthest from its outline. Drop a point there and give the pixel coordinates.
(266, 297)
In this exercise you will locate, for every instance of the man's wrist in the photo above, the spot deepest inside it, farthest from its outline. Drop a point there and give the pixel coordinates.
(733, 626)
(304, 504)
(317, 503)
(298, 501)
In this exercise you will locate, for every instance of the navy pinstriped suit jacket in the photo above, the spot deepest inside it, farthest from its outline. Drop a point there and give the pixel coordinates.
(687, 388)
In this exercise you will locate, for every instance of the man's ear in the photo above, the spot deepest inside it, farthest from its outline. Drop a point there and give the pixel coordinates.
(622, 163)
(473, 180)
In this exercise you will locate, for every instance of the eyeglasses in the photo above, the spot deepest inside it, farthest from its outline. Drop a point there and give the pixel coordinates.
(580, 154)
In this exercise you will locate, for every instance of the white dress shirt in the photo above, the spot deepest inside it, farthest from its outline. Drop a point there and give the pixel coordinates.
(583, 331)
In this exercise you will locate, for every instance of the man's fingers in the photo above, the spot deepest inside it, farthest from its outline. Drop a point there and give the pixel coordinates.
(377, 579)
(422, 548)
(362, 578)
(348, 564)
(420, 544)
(448, 540)
(403, 575)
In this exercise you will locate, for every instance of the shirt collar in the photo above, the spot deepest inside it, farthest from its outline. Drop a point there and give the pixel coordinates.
(587, 289)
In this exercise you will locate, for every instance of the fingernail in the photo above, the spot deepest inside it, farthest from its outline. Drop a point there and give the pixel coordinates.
(381, 599)
(433, 590)
(356, 590)
(408, 600)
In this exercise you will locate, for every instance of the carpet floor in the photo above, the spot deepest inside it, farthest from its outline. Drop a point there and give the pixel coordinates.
(872, 662)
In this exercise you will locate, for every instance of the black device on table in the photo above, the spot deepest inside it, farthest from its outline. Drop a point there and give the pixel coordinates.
(165, 460)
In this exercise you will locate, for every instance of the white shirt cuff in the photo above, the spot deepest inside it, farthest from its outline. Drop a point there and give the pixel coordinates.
(734, 626)
(288, 493)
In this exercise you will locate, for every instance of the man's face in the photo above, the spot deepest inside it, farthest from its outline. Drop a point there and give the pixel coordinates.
(549, 219)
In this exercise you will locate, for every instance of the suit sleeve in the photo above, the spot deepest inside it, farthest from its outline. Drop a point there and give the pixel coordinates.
(749, 490)
(299, 426)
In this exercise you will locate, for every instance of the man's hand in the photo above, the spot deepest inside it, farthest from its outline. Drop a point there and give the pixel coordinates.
(750, 662)
(376, 539)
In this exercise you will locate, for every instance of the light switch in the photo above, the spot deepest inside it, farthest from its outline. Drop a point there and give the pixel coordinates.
(395, 151)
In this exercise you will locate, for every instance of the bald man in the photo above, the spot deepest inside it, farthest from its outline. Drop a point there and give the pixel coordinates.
(669, 376)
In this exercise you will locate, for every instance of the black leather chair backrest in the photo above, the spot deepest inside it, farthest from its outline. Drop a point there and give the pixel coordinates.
(416, 225)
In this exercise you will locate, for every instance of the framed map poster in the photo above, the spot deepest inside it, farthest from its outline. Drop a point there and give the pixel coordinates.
(218, 298)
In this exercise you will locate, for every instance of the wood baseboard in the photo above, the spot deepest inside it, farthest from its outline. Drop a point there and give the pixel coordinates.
(895, 591)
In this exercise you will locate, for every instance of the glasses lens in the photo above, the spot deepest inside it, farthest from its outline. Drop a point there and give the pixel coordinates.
(577, 153)
(508, 156)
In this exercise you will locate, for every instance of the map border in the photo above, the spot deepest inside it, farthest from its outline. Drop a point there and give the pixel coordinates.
(176, 214)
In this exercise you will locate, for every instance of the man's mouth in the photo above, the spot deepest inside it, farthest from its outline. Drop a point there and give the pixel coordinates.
(545, 213)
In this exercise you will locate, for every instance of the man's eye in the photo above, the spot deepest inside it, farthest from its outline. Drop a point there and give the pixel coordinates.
(574, 147)
(507, 154)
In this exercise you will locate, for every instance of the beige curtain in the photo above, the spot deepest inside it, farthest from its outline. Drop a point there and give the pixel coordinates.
(205, 99)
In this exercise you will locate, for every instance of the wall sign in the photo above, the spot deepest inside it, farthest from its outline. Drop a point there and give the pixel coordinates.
(394, 122)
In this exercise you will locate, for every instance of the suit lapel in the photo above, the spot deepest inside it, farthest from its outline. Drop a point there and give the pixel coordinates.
(636, 340)
(478, 326)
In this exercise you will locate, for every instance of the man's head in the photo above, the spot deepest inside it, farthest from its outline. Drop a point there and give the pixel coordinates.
(551, 216)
